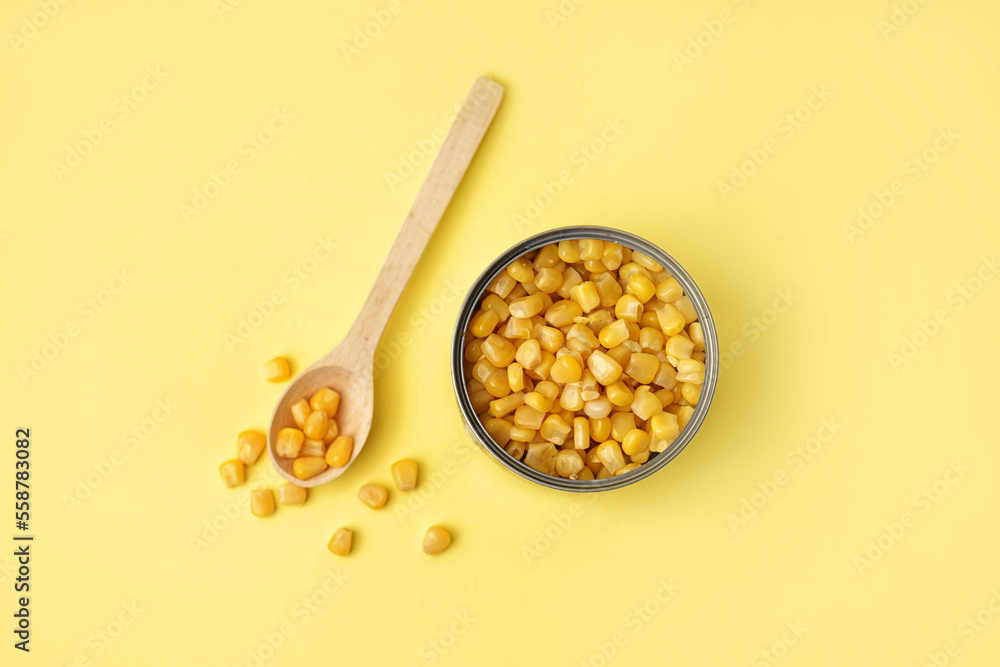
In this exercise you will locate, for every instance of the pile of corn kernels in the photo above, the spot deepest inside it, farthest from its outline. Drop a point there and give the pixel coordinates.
(319, 444)
(585, 359)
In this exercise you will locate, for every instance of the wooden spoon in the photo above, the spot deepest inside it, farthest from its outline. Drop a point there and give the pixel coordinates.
(349, 367)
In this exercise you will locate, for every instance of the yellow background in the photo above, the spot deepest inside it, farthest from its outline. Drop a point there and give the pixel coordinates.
(504, 593)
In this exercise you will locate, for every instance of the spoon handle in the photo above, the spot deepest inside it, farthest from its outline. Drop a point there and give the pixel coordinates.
(446, 172)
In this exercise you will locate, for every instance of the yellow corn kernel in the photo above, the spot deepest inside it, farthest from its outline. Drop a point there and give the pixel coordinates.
(515, 377)
(547, 257)
(548, 389)
(636, 441)
(516, 449)
(404, 474)
(541, 456)
(483, 323)
(521, 434)
(342, 542)
(690, 370)
(498, 350)
(301, 412)
(641, 457)
(642, 367)
(570, 398)
(620, 354)
(502, 285)
(614, 334)
(496, 383)
(571, 278)
(610, 455)
(684, 415)
(569, 251)
(600, 429)
(316, 426)
(582, 333)
(291, 494)
(249, 445)
(666, 376)
(679, 347)
(627, 468)
(474, 350)
(499, 430)
(584, 475)
(621, 424)
(325, 400)
(373, 495)
(262, 502)
(306, 467)
(502, 406)
(289, 442)
(641, 286)
(481, 401)
(551, 339)
(605, 369)
(629, 308)
(566, 369)
(591, 249)
(521, 271)
(312, 448)
(608, 289)
(644, 260)
(603, 473)
(436, 540)
(670, 319)
(541, 371)
(233, 473)
(645, 404)
(664, 426)
(612, 256)
(598, 408)
(686, 309)
(629, 269)
(527, 306)
(548, 280)
(516, 293)
(517, 327)
(586, 295)
(619, 393)
(529, 354)
(277, 370)
(691, 392)
(650, 339)
(563, 313)
(594, 267)
(568, 463)
(666, 396)
(697, 336)
(528, 417)
(555, 429)
(497, 305)
(581, 433)
(669, 290)
(649, 318)
(339, 452)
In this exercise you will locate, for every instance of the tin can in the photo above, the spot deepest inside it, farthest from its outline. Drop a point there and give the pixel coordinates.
(471, 304)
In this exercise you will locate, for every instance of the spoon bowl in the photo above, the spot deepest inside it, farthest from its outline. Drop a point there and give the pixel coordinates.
(349, 368)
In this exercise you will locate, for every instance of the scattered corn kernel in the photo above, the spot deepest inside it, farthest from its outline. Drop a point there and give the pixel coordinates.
(262, 502)
(277, 370)
(373, 495)
(291, 494)
(404, 474)
(436, 540)
(342, 542)
(232, 473)
(249, 445)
